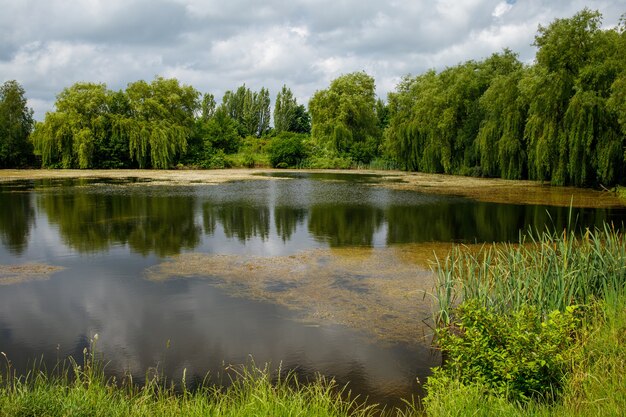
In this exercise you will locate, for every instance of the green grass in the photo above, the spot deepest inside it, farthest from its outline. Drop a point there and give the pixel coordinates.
(504, 297)
(248, 160)
(85, 391)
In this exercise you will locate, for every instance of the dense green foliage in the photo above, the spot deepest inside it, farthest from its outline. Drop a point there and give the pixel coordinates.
(289, 116)
(286, 150)
(343, 117)
(251, 110)
(516, 355)
(148, 125)
(525, 330)
(560, 120)
(595, 384)
(16, 123)
(154, 125)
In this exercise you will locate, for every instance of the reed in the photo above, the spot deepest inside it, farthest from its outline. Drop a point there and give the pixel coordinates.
(497, 309)
(546, 270)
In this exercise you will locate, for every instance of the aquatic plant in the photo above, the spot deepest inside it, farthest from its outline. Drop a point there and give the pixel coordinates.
(547, 270)
(517, 323)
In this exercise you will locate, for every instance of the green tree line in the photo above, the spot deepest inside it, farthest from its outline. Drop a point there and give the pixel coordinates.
(561, 119)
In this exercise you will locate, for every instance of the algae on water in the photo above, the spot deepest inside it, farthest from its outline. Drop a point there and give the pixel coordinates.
(381, 291)
(17, 274)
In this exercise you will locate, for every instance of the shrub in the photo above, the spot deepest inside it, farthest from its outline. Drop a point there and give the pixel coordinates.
(364, 152)
(215, 159)
(515, 355)
(287, 150)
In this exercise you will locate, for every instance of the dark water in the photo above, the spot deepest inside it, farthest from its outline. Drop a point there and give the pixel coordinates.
(106, 233)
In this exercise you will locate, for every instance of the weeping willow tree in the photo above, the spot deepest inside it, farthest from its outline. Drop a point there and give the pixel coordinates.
(556, 142)
(149, 121)
(160, 122)
(501, 136)
(560, 120)
(616, 103)
(594, 141)
(67, 137)
(435, 118)
(151, 143)
(343, 117)
(412, 108)
(573, 135)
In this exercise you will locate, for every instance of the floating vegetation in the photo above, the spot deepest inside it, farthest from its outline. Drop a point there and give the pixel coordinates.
(17, 274)
(492, 190)
(381, 291)
(495, 190)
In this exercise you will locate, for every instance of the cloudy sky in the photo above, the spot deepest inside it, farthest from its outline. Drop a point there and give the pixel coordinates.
(47, 45)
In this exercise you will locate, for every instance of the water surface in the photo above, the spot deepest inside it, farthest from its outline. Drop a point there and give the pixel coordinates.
(108, 237)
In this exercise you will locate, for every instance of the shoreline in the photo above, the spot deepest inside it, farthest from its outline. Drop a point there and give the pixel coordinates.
(489, 190)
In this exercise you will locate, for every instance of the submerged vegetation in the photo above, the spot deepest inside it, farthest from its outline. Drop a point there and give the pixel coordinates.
(561, 119)
(17, 274)
(378, 291)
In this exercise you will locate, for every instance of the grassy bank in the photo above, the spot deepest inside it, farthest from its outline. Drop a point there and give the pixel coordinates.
(537, 328)
(85, 391)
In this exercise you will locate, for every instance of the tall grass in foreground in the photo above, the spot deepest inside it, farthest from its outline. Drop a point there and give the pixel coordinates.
(85, 391)
(533, 329)
(549, 271)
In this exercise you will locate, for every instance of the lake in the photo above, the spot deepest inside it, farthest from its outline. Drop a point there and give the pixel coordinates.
(315, 273)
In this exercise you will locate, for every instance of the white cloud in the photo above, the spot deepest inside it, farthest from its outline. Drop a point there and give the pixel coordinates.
(216, 46)
(501, 8)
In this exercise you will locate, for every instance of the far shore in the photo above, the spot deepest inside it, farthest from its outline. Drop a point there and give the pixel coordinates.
(481, 189)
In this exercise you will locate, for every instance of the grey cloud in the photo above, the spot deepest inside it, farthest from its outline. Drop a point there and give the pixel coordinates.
(217, 46)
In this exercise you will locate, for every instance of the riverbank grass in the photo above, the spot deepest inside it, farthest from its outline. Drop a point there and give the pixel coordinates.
(85, 391)
(533, 329)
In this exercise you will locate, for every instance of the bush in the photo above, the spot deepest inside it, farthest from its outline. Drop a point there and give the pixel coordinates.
(517, 355)
(364, 152)
(215, 159)
(248, 160)
(286, 150)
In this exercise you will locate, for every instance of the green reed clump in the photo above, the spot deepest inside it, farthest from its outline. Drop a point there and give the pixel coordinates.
(523, 326)
(549, 271)
(77, 390)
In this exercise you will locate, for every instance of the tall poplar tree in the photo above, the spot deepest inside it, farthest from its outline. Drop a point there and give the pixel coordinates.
(16, 124)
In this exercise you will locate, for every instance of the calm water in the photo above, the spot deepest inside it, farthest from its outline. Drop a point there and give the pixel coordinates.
(107, 233)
